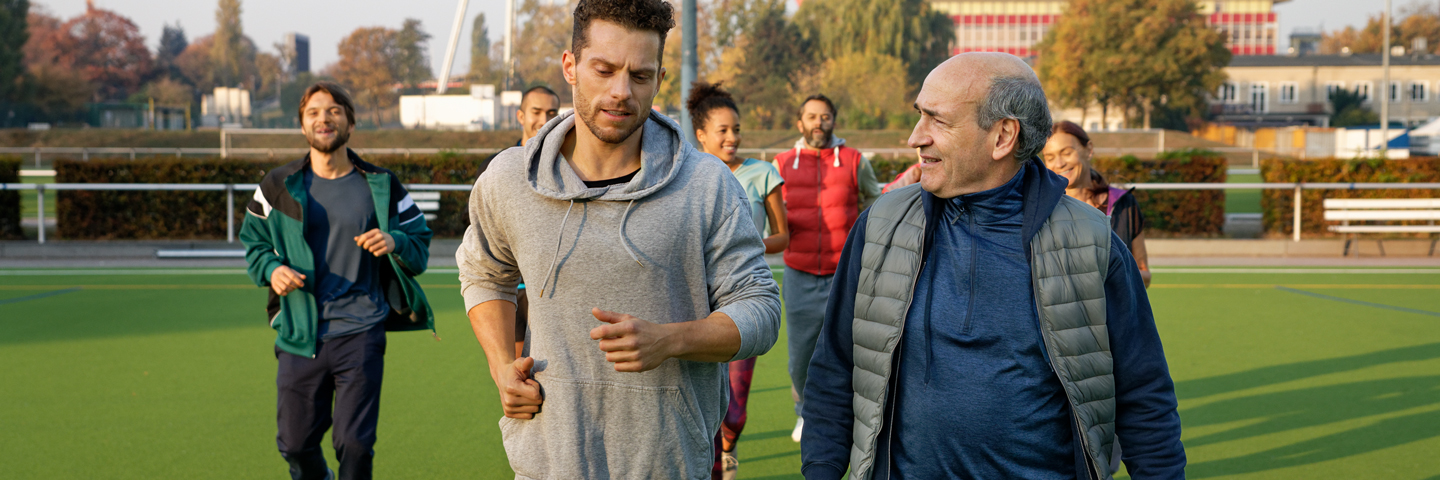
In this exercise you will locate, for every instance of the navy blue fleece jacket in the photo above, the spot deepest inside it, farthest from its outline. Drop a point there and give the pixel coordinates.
(1147, 423)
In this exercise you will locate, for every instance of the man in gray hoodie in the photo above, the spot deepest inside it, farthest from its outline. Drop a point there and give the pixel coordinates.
(645, 268)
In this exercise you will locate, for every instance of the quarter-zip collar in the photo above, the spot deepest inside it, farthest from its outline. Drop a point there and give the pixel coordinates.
(989, 206)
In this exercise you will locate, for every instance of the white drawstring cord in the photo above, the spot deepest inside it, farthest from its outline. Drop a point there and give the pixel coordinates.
(623, 243)
(559, 237)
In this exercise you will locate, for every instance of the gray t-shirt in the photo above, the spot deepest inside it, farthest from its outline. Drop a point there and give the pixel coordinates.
(348, 291)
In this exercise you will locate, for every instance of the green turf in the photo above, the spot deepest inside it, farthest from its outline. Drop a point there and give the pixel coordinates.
(172, 376)
(1243, 201)
(28, 203)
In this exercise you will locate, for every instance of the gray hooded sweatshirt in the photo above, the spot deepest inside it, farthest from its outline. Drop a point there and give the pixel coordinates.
(675, 244)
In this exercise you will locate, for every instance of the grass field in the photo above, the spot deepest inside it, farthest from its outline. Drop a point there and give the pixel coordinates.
(170, 374)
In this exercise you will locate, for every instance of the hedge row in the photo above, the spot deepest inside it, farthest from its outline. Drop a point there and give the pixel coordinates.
(86, 214)
(1174, 213)
(10, 199)
(1169, 213)
(1278, 205)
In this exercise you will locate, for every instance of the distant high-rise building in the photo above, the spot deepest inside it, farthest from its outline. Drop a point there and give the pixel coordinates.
(1015, 26)
(299, 45)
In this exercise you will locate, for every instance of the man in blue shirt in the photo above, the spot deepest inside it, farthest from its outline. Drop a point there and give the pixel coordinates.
(991, 328)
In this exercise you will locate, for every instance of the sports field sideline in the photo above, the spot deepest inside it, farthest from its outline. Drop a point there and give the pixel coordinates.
(1281, 373)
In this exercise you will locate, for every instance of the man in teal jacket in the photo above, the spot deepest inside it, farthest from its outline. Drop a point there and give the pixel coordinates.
(338, 241)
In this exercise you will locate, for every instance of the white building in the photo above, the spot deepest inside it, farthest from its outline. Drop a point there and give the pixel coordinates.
(479, 110)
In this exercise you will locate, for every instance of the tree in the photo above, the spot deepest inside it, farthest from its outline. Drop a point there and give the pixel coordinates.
(863, 88)
(706, 48)
(483, 68)
(14, 33)
(196, 65)
(757, 69)
(106, 49)
(1168, 57)
(1349, 110)
(165, 91)
(909, 30)
(546, 30)
(172, 44)
(269, 73)
(365, 67)
(412, 63)
(1415, 21)
(231, 52)
(58, 91)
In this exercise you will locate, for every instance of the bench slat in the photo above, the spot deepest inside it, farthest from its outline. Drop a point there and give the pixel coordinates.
(428, 206)
(418, 196)
(1382, 214)
(1362, 203)
(1384, 228)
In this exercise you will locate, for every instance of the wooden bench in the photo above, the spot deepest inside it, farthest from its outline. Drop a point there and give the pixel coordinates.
(428, 202)
(1346, 210)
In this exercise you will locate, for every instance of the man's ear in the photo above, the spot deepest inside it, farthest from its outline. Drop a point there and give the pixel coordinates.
(662, 75)
(567, 64)
(1005, 138)
(800, 125)
(520, 113)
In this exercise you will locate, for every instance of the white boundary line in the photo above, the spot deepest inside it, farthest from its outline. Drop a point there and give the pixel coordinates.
(236, 271)
(1341, 271)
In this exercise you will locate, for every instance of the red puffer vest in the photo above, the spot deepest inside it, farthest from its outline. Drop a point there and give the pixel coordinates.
(822, 201)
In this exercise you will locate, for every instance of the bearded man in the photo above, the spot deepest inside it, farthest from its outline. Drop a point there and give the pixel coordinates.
(338, 242)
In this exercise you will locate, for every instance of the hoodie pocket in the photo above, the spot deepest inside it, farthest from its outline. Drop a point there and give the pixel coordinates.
(599, 429)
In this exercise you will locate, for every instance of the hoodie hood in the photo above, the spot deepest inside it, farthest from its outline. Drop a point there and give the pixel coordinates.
(661, 152)
(835, 144)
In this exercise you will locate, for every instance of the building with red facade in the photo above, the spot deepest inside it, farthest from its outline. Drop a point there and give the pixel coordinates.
(1015, 26)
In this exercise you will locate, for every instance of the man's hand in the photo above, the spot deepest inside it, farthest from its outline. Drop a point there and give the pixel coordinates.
(376, 242)
(519, 393)
(632, 344)
(285, 280)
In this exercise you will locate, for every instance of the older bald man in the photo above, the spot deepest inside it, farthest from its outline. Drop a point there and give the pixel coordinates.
(983, 324)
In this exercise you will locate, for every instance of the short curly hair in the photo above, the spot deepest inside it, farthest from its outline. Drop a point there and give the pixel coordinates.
(650, 15)
(704, 98)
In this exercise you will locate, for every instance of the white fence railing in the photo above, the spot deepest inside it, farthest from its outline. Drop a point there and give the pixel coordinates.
(39, 154)
(230, 189)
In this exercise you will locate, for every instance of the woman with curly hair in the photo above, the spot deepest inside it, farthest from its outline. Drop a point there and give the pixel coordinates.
(717, 128)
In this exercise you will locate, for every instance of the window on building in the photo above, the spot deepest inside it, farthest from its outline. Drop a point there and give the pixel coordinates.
(1289, 92)
(1260, 97)
(1332, 87)
(1229, 93)
(1394, 92)
(1362, 89)
(1419, 91)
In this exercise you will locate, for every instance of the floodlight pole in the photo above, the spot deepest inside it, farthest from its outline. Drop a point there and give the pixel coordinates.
(689, 64)
(509, 41)
(1385, 67)
(452, 46)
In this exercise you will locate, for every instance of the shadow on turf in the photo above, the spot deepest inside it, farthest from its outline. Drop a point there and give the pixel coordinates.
(1204, 387)
(1286, 411)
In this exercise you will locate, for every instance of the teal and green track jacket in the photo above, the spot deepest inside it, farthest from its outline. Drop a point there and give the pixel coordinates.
(274, 235)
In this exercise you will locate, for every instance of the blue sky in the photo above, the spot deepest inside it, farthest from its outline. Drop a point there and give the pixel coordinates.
(327, 22)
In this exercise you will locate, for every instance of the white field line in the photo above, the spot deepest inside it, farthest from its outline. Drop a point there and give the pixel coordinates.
(228, 271)
(1332, 271)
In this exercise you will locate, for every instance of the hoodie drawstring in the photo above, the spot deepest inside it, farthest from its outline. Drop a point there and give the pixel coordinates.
(796, 165)
(559, 237)
(623, 243)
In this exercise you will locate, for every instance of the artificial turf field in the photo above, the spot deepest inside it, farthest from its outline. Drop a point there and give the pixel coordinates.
(1329, 373)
